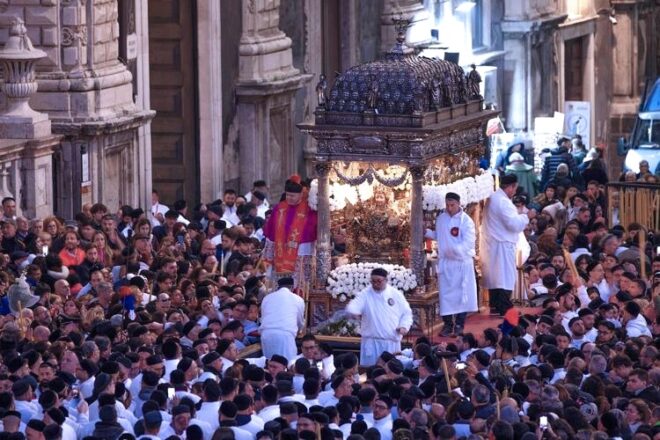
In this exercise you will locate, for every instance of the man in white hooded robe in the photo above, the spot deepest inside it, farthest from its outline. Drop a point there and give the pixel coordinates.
(386, 317)
(456, 236)
(500, 232)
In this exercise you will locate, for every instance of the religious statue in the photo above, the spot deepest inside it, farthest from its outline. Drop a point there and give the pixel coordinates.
(473, 81)
(377, 230)
(448, 88)
(320, 90)
(372, 97)
(436, 94)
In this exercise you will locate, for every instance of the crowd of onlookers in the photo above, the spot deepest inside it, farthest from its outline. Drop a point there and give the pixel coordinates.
(145, 323)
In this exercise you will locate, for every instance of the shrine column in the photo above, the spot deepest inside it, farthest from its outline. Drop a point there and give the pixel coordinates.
(323, 245)
(416, 223)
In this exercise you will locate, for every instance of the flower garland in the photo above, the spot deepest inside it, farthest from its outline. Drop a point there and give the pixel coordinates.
(344, 282)
(470, 189)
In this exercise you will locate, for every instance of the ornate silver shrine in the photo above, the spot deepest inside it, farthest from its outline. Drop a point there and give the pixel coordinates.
(405, 110)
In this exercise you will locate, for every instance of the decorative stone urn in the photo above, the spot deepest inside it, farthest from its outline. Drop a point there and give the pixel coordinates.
(18, 58)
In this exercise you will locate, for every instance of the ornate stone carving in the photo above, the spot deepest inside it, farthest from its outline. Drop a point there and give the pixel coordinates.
(18, 59)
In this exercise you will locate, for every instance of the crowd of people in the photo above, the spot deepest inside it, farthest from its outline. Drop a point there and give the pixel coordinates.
(164, 323)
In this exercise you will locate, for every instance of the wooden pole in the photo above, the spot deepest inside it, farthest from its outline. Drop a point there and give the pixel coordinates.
(642, 252)
(446, 371)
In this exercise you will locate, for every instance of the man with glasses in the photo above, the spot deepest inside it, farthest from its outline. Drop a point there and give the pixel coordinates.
(386, 317)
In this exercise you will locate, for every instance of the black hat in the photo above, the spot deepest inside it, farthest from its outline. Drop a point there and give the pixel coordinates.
(223, 345)
(89, 366)
(11, 413)
(150, 379)
(482, 357)
(452, 196)
(337, 381)
(154, 360)
(180, 409)
(188, 327)
(184, 364)
(17, 255)
(210, 358)
(47, 399)
(57, 415)
(292, 186)
(284, 386)
(285, 282)
(386, 399)
(254, 373)
(101, 382)
(288, 408)
(57, 384)
(379, 272)
(108, 413)
(37, 425)
(15, 364)
(243, 402)
(215, 209)
(395, 366)
(153, 418)
(508, 179)
(20, 387)
(279, 359)
(110, 367)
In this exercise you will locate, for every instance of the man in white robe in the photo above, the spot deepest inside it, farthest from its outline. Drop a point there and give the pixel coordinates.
(386, 317)
(500, 232)
(282, 316)
(457, 285)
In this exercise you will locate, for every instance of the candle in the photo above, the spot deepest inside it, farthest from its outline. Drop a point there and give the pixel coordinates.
(222, 264)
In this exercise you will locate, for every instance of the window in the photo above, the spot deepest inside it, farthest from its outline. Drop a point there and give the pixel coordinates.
(477, 24)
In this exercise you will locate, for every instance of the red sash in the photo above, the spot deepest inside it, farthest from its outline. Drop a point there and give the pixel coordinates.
(286, 245)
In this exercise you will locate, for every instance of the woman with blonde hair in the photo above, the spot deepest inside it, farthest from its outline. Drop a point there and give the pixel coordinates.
(106, 256)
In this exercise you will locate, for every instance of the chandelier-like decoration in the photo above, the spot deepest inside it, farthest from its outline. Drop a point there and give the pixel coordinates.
(371, 174)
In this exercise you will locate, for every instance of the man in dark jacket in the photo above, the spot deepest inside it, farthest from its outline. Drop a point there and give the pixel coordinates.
(560, 155)
(638, 386)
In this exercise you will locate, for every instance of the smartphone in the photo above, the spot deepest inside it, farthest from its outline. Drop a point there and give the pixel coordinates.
(543, 422)
(170, 393)
(461, 365)
(179, 239)
(44, 250)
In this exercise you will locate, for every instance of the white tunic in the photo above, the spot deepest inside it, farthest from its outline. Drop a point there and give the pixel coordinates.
(282, 315)
(382, 313)
(500, 232)
(457, 284)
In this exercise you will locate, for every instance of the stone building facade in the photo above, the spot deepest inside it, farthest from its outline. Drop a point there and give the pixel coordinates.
(194, 96)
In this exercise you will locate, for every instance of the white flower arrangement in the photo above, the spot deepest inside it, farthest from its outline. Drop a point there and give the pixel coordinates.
(344, 282)
(470, 189)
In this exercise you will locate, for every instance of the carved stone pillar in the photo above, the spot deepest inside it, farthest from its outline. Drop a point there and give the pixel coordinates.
(419, 31)
(417, 256)
(18, 58)
(323, 244)
(267, 83)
